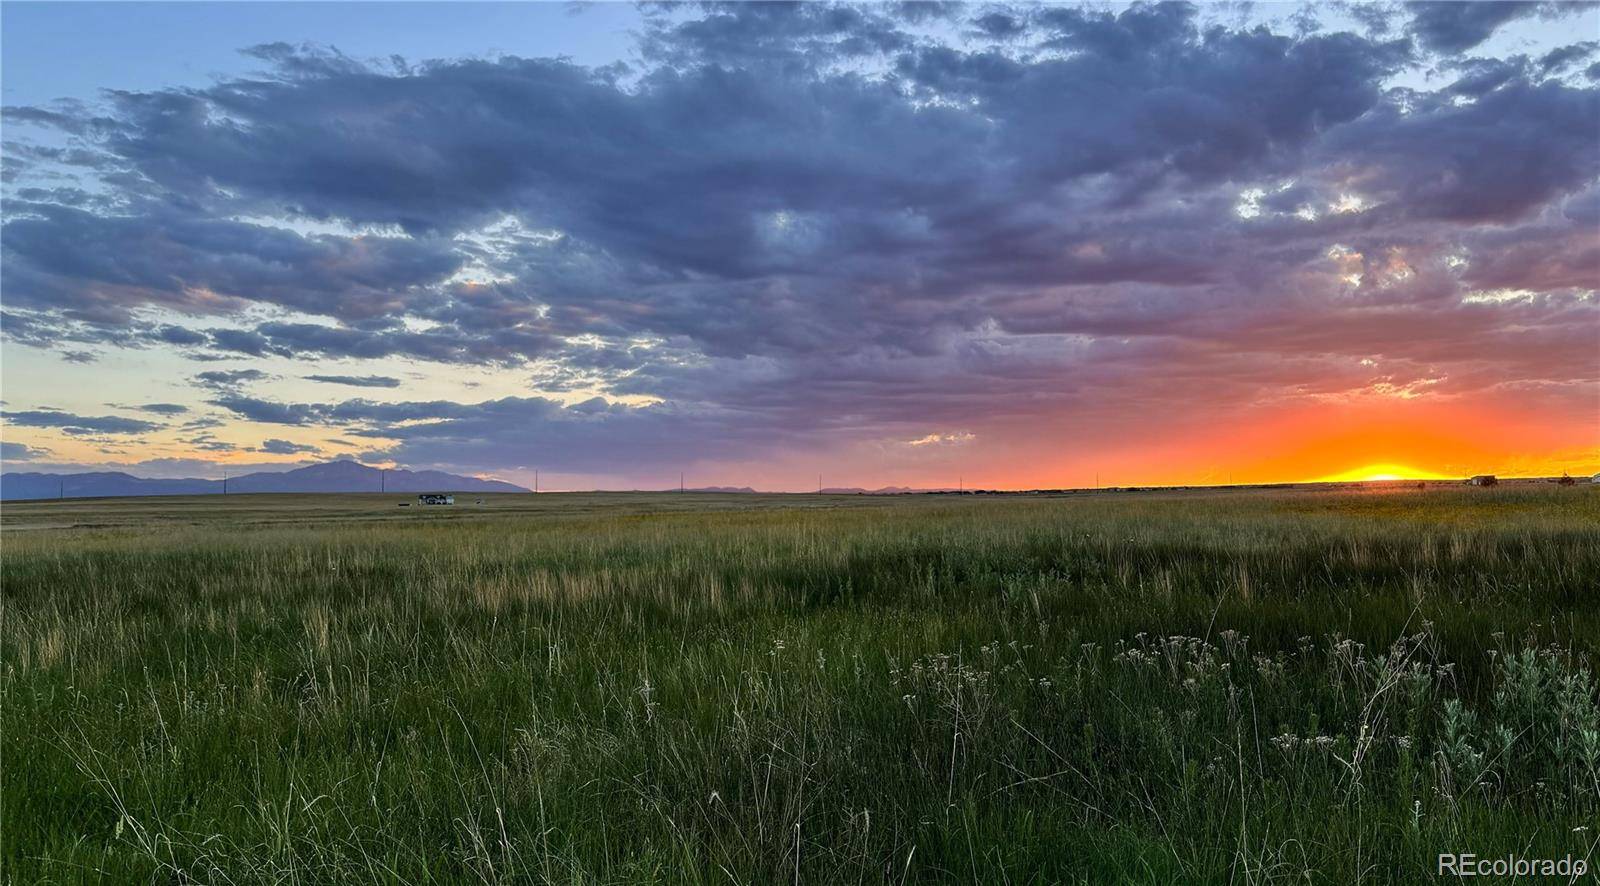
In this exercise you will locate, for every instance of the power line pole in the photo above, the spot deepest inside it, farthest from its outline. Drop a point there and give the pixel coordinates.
(224, 481)
(680, 482)
(819, 484)
(535, 481)
(383, 481)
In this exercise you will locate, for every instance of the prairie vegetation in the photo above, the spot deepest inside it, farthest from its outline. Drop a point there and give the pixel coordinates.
(1250, 687)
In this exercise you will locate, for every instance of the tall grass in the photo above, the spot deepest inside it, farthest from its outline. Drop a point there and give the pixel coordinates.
(1207, 688)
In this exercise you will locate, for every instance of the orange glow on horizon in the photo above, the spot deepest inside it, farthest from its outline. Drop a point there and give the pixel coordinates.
(1380, 472)
(1355, 440)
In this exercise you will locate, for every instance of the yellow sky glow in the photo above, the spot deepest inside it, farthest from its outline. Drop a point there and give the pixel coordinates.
(1383, 472)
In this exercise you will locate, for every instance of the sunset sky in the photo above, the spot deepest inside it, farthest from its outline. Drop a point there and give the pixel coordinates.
(1022, 246)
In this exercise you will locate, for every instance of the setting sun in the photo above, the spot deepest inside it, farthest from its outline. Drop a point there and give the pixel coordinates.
(1382, 472)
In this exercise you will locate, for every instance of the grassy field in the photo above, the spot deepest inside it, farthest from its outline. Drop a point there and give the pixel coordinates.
(1241, 687)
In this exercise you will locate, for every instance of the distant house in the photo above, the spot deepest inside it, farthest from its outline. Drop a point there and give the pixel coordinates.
(1483, 480)
(1595, 479)
(431, 498)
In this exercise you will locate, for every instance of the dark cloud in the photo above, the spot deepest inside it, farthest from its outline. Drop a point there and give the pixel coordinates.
(228, 379)
(1559, 59)
(1450, 26)
(508, 345)
(1547, 257)
(1000, 25)
(10, 451)
(1377, 18)
(1482, 75)
(1583, 208)
(822, 184)
(245, 341)
(1136, 31)
(78, 424)
(592, 435)
(357, 381)
(775, 35)
(284, 447)
(1501, 157)
(52, 331)
(166, 256)
(209, 443)
(264, 411)
(167, 409)
(179, 335)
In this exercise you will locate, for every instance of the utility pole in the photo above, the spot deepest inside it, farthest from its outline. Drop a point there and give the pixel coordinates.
(961, 484)
(680, 482)
(383, 481)
(535, 481)
(224, 481)
(1097, 479)
(819, 484)
(63, 494)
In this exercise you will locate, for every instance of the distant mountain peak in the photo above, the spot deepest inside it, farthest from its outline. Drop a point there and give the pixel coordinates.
(342, 464)
(339, 476)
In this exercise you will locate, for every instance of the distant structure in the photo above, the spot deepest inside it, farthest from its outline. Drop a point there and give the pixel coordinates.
(1483, 480)
(1566, 480)
(433, 498)
(1595, 479)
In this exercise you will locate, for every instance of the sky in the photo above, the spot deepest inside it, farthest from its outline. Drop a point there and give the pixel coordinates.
(920, 244)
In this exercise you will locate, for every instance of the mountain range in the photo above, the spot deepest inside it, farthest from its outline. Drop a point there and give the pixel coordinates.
(334, 476)
(882, 490)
